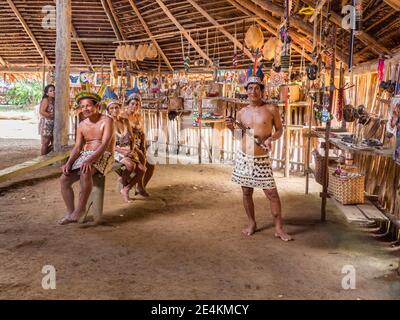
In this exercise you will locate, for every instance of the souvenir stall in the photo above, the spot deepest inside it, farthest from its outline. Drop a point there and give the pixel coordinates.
(352, 131)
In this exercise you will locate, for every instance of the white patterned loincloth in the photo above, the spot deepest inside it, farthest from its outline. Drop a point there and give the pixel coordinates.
(253, 171)
(103, 164)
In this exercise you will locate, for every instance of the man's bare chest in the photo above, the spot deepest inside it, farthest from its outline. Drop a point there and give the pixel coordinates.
(92, 130)
(257, 118)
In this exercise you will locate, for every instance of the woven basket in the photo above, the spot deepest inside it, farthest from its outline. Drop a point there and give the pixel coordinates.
(319, 166)
(347, 190)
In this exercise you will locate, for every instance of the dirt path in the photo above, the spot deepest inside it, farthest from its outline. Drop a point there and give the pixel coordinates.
(185, 242)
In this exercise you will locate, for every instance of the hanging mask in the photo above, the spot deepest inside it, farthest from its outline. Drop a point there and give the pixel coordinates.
(312, 70)
(172, 115)
(348, 113)
(276, 68)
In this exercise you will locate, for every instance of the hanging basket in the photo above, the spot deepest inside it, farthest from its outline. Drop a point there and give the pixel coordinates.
(254, 38)
(139, 53)
(319, 170)
(114, 68)
(269, 48)
(144, 51)
(118, 53)
(132, 53)
(124, 53)
(151, 52)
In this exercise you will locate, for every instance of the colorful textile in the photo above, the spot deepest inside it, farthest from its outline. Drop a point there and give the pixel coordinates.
(103, 164)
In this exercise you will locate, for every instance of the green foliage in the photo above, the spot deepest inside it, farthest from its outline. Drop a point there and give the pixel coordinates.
(25, 93)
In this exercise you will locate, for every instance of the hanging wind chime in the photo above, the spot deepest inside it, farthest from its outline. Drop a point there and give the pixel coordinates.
(186, 59)
(286, 40)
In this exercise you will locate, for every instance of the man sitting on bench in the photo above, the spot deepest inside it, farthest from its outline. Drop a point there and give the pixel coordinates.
(93, 153)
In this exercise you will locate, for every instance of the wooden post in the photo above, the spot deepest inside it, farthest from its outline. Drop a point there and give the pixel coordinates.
(285, 94)
(44, 75)
(63, 59)
(325, 179)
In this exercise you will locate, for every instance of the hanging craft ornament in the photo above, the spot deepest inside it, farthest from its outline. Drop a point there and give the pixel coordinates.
(381, 68)
(312, 70)
(285, 53)
(144, 51)
(254, 37)
(269, 48)
(118, 53)
(186, 63)
(307, 11)
(277, 78)
(186, 59)
(325, 114)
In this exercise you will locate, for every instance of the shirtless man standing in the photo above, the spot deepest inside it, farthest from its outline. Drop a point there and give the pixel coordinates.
(252, 164)
(93, 152)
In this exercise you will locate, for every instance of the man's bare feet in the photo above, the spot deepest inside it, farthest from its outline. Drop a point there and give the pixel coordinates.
(250, 229)
(283, 235)
(142, 192)
(125, 194)
(66, 220)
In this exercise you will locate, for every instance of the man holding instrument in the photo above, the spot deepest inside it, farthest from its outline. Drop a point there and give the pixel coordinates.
(253, 164)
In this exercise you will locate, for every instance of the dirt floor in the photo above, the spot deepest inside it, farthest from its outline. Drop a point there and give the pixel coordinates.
(184, 242)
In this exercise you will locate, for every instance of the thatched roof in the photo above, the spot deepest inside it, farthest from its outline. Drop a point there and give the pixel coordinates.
(99, 24)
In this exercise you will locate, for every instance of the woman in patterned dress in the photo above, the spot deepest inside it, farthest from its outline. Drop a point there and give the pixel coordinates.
(126, 151)
(132, 113)
(46, 123)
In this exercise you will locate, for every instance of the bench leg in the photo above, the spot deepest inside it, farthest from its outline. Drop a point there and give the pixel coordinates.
(96, 199)
(99, 182)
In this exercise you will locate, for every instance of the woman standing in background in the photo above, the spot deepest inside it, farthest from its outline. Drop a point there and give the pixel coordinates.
(46, 123)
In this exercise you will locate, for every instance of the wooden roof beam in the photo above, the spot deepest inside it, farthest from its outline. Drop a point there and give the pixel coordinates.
(184, 32)
(395, 4)
(318, 8)
(28, 31)
(361, 35)
(268, 5)
(146, 28)
(2, 62)
(270, 29)
(111, 18)
(222, 29)
(299, 39)
(81, 47)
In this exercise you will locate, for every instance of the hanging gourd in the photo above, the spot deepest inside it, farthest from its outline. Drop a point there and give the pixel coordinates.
(254, 37)
(151, 52)
(269, 47)
(144, 51)
(114, 68)
(118, 53)
(124, 52)
(131, 53)
(139, 53)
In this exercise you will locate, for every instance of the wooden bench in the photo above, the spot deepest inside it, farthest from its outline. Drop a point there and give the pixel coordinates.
(363, 215)
(96, 198)
(32, 165)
